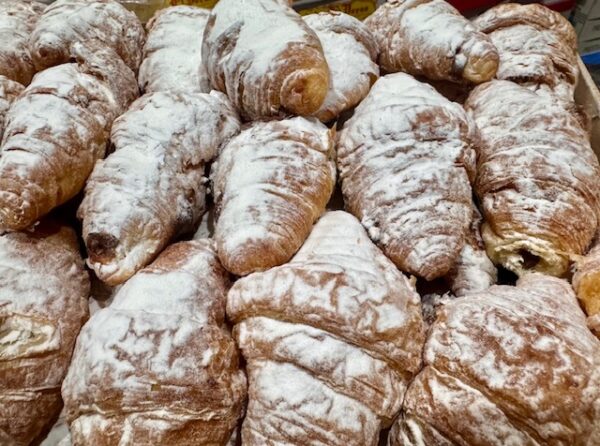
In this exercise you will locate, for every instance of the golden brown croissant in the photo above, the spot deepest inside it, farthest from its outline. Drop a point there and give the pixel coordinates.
(172, 58)
(43, 304)
(538, 179)
(405, 161)
(267, 60)
(158, 366)
(350, 51)
(430, 38)
(509, 366)
(473, 271)
(17, 20)
(537, 47)
(331, 340)
(270, 184)
(152, 188)
(66, 22)
(9, 90)
(586, 282)
(57, 129)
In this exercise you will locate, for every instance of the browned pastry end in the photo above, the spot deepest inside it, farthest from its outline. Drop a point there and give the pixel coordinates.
(43, 304)
(56, 130)
(537, 47)
(331, 340)
(9, 90)
(406, 160)
(586, 282)
(430, 38)
(265, 58)
(152, 187)
(66, 22)
(538, 180)
(159, 366)
(507, 366)
(17, 20)
(270, 184)
(350, 51)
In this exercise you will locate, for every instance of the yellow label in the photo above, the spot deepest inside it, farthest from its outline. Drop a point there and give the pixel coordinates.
(201, 3)
(360, 9)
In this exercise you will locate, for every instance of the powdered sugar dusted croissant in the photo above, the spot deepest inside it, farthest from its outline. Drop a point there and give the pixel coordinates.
(66, 22)
(43, 304)
(17, 20)
(331, 340)
(158, 366)
(586, 282)
(267, 60)
(270, 184)
(57, 129)
(509, 366)
(537, 47)
(172, 54)
(430, 38)
(538, 179)
(152, 187)
(350, 51)
(473, 271)
(9, 90)
(405, 161)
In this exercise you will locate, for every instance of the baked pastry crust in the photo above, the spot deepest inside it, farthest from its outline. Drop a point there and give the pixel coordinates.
(9, 90)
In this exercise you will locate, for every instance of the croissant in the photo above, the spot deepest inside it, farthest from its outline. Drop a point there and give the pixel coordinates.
(9, 90)
(537, 47)
(55, 131)
(538, 179)
(405, 161)
(508, 366)
(17, 20)
(267, 60)
(172, 58)
(350, 51)
(158, 366)
(473, 271)
(430, 38)
(152, 187)
(270, 184)
(331, 341)
(66, 22)
(586, 282)
(43, 304)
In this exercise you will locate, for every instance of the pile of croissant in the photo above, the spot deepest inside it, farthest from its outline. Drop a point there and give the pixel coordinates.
(193, 166)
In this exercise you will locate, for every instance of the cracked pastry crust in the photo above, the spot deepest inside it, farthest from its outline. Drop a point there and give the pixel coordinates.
(265, 58)
(331, 340)
(159, 366)
(270, 184)
(66, 22)
(152, 187)
(431, 38)
(43, 304)
(406, 159)
(508, 366)
(57, 129)
(538, 180)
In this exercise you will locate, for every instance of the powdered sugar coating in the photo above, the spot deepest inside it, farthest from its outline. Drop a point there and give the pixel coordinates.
(331, 339)
(55, 131)
(158, 364)
(270, 184)
(172, 57)
(350, 51)
(265, 58)
(43, 304)
(405, 160)
(512, 365)
(66, 22)
(538, 179)
(9, 90)
(17, 20)
(152, 187)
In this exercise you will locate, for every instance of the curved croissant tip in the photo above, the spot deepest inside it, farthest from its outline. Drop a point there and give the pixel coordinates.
(13, 209)
(101, 247)
(48, 51)
(304, 91)
(481, 69)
